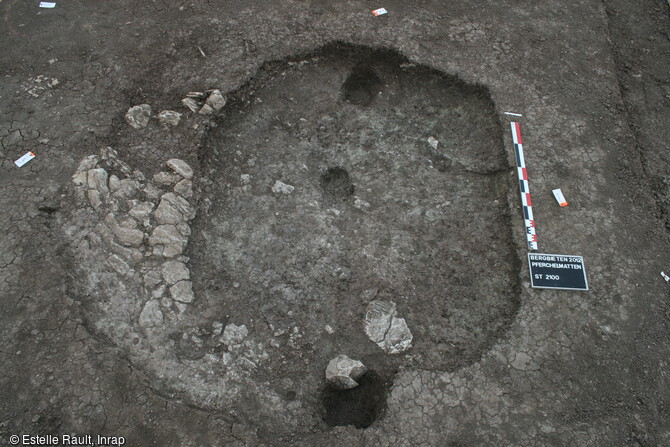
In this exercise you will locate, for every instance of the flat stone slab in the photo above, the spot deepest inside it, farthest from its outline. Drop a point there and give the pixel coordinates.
(384, 327)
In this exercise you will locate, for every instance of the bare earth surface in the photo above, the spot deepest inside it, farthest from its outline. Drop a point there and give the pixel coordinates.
(187, 284)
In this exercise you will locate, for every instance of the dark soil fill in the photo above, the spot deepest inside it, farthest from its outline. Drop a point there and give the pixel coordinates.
(359, 406)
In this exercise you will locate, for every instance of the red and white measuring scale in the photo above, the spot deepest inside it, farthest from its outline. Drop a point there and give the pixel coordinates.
(526, 204)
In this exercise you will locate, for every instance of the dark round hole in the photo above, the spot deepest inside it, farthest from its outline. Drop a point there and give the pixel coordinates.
(361, 86)
(337, 183)
(359, 406)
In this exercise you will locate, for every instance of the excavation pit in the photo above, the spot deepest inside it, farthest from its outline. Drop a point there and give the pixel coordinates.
(360, 406)
(319, 189)
(371, 204)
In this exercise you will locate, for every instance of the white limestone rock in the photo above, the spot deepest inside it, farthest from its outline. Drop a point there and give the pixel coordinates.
(140, 210)
(174, 271)
(216, 100)
(138, 116)
(384, 327)
(166, 179)
(118, 265)
(343, 373)
(88, 163)
(191, 103)
(129, 237)
(97, 180)
(94, 198)
(127, 188)
(184, 188)
(282, 188)
(180, 167)
(234, 335)
(167, 213)
(114, 183)
(151, 315)
(152, 278)
(169, 117)
(80, 178)
(206, 110)
(170, 238)
(182, 292)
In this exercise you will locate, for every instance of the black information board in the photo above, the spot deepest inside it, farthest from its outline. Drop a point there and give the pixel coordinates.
(557, 272)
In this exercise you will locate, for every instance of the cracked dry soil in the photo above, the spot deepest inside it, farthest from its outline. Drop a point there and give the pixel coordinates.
(190, 282)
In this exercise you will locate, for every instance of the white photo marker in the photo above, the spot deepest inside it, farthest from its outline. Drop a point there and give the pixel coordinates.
(559, 197)
(666, 277)
(24, 159)
(512, 114)
(47, 5)
(379, 12)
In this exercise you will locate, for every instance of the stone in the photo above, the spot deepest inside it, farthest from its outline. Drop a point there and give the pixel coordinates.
(141, 210)
(191, 103)
(128, 222)
(217, 328)
(398, 338)
(182, 292)
(127, 188)
(125, 252)
(97, 179)
(361, 204)
(281, 187)
(206, 110)
(119, 265)
(169, 117)
(181, 307)
(80, 178)
(174, 271)
(384, 327)
(159, 292)
(88, 163)
(378, 319)
(184, 188)
(127, 236)
(181, 204)
(138, 116)
(108, 153)
(94, 198)
(180, 167)
(369, 294)
(234, 334)
(166, 213)
(184, 229)
(166, 179)
(173, 209)
(169, 237)
(216, 100)
(343, 373)
(151, 315)
(152, 278)
(152, 191)
(114, 183)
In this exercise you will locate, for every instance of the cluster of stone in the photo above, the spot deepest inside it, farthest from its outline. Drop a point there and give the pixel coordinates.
(143, 226)
(204, 103)
(138, 116)
(384, 327)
